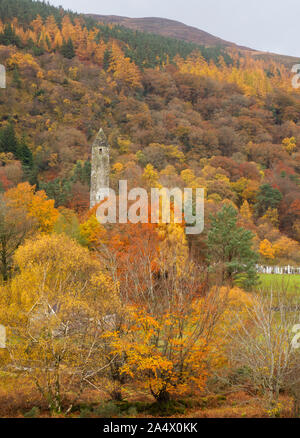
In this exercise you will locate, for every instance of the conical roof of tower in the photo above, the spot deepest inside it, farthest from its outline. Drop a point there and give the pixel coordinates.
(101, 140)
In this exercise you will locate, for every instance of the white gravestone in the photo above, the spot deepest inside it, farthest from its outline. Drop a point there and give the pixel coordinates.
(2, 336)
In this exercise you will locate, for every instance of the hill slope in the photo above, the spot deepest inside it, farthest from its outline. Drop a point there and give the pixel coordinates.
(190, 34)
(168, 28)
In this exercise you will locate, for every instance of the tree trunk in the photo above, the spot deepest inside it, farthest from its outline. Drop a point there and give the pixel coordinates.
(163, 397)
(116, 395)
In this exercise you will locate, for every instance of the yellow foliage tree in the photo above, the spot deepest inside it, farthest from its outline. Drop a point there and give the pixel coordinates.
(37, 205)
(266, 250)
(37, 24)
(246, 211)
(56, 308)
(92, 231)
(123, 69)
(286, 248)
(271, 216)
(289, 144)
(21, 60)
(150, 176)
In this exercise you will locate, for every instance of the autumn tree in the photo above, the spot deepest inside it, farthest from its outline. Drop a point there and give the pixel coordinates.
(36, 204)
(289, 144)
(168, 337)
(15, 226)
(56, 307)
(266, 250)
(123, 68)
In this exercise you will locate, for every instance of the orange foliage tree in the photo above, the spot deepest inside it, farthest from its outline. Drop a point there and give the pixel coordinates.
(37, 205)
(168, 338)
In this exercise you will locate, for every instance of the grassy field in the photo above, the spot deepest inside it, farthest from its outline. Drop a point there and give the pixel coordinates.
(289, 282)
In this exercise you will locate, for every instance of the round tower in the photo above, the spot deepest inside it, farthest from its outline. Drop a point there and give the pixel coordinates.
(99, 169)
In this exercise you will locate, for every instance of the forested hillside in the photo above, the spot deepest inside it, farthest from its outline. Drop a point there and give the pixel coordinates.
(166, 27)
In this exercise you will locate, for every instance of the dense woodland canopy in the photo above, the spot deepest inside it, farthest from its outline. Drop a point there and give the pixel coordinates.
(142, 304)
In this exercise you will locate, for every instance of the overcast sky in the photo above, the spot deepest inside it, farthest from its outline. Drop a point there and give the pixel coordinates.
(270, 25)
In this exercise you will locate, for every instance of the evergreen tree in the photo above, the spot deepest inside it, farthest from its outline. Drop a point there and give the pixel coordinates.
(16, 80)
(9, 37)
(60, 190)
(86, 173)
(8, 140)
(106, 59)
(67, 49)
(24, 154)
(230, 249)
(82, 173)
(267, 197)
(30, 174)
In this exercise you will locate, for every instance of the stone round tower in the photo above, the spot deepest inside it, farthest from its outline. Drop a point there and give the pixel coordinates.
(100, 169)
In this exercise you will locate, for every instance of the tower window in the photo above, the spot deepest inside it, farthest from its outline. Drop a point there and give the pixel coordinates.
(100, 150)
